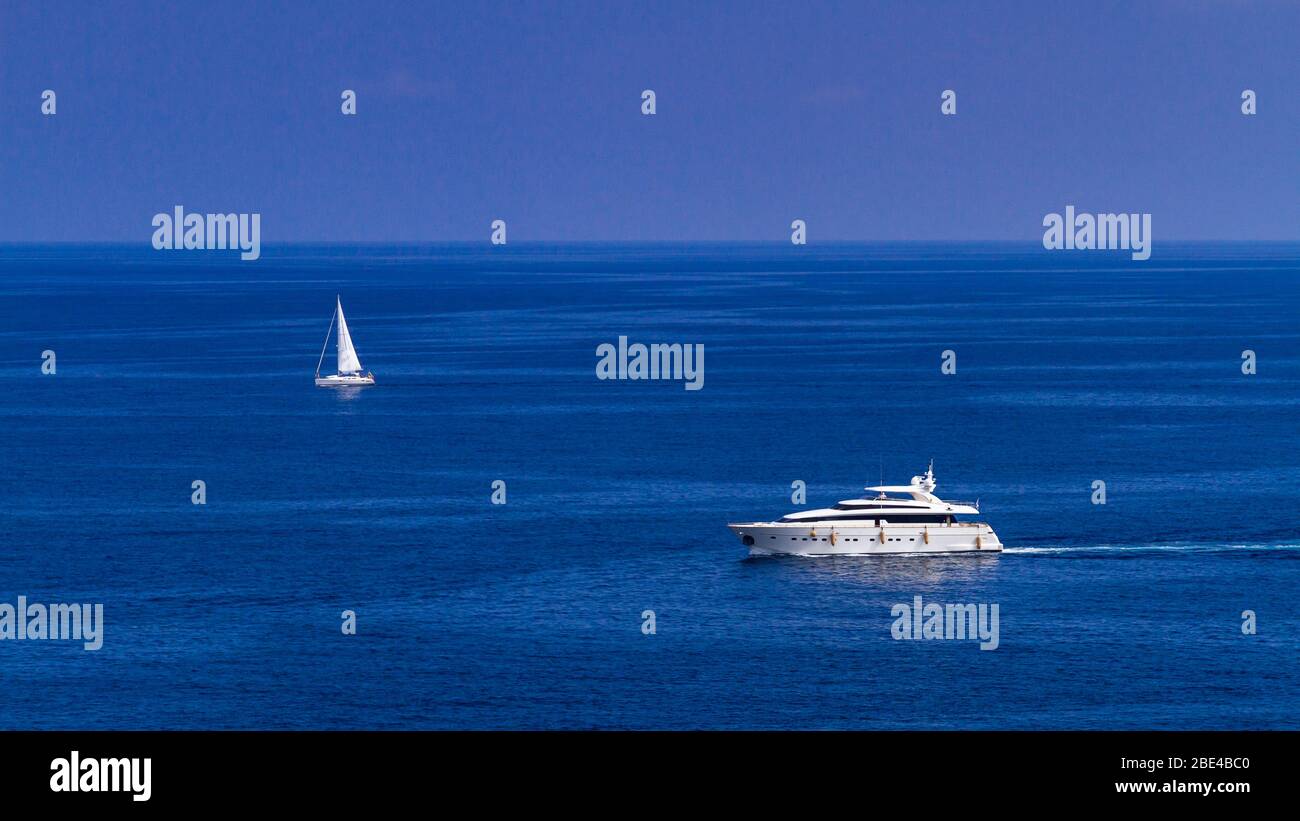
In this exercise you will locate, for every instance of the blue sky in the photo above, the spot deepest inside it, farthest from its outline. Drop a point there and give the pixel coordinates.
(530, 112)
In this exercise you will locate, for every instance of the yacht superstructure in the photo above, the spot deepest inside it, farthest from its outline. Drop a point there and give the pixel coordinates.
(897, 519)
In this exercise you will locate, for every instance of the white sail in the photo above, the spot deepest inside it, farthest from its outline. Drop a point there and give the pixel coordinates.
(348, 362)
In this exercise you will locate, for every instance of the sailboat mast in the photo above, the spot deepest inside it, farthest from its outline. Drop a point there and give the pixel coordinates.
(327, 340)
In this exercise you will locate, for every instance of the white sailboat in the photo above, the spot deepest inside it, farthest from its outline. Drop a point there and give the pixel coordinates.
(349, 366)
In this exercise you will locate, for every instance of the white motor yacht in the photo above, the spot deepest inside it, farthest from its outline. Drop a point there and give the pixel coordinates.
(896, 519)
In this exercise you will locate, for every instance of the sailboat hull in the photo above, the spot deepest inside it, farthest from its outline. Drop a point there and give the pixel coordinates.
(341, 381)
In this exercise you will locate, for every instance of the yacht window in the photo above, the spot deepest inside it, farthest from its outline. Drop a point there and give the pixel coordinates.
(876, 518)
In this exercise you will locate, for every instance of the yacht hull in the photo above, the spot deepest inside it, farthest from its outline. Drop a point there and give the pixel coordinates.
(768, 538)
(343, 381)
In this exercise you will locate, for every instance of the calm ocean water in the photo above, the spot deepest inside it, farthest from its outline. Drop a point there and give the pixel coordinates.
(822, 364)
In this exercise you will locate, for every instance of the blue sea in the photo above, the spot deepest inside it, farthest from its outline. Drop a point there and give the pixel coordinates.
(822, 365)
